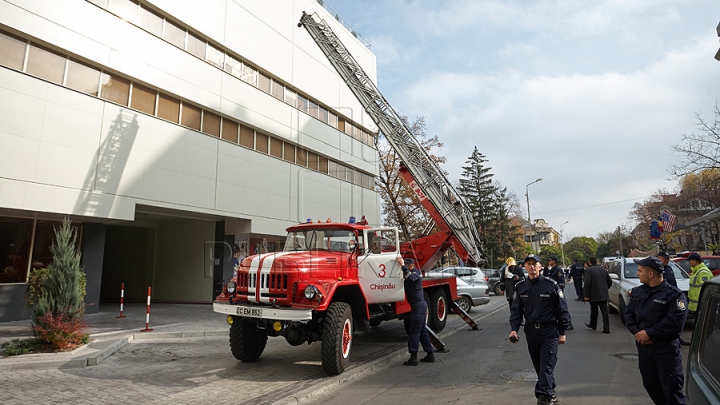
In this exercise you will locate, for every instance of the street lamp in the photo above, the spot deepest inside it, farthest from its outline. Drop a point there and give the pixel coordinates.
(527, 196)
(562, 251)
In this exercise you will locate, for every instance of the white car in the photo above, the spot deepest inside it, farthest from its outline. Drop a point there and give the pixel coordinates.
(623, 273)
(471, 293)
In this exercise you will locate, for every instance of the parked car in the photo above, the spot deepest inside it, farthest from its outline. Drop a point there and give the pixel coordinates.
(471, 293)
(703, 367)
(492, 276)
(623, 273)
(713, 262)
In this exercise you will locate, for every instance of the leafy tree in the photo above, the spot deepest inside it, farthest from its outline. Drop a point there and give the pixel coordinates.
(583, 244)
(548, 251)
(400, 206)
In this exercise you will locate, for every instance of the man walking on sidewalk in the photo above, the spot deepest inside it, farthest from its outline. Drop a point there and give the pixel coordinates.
(597, 283)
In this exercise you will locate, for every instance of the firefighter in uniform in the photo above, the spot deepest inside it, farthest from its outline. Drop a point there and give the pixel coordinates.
(576, 273)
(417, 333)
(656, 315)
(541, 301)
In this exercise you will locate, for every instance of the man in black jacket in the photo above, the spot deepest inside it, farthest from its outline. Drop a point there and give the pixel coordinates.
(597, 282)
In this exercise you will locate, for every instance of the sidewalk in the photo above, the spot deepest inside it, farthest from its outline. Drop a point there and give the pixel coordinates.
(108, 333)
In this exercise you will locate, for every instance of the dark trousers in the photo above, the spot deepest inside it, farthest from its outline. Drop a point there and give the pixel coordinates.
(662, 373)
(417, 334)
(594, 305)
(543, 347)
(577, 281)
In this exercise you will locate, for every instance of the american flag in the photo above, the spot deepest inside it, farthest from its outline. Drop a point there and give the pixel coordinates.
(668, 221)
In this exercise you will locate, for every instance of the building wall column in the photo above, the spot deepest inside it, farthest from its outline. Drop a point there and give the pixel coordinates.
(93, 252)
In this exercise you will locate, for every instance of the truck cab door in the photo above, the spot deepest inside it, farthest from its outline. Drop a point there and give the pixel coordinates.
(379, 274)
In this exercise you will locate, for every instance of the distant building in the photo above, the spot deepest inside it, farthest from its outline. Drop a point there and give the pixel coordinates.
(540, 235)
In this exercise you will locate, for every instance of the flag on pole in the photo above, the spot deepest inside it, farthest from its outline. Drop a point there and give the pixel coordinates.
(668, 221)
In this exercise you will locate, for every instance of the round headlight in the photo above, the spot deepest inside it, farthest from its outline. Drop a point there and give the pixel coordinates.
(310, 291)
(230, 287)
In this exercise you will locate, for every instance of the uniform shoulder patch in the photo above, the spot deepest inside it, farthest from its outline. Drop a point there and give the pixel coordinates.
(550, 280)
(681, 305)
(560, 293)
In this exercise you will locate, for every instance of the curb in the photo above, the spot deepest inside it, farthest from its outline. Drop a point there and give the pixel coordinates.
(332, 383)
(8, 365)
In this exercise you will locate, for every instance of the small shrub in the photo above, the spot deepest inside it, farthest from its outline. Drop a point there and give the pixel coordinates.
(17, 347)
(35, 286)
(61, 332)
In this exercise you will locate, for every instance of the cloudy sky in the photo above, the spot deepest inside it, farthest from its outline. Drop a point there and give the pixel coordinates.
(588, 96)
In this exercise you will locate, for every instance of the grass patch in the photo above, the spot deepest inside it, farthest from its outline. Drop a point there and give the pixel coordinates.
(17, 347)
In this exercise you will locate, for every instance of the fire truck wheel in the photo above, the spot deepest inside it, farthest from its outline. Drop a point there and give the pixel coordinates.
(437, 308)
(337, 338)
(464, 303)
(247, 342)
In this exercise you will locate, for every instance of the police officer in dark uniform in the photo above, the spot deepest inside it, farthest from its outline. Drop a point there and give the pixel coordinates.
(555, 272)
(576, 273)
(656, 315)
(542, 302)
(668, 274)
(417, 334)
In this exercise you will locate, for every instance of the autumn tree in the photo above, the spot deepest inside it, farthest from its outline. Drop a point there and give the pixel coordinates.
(400, 206)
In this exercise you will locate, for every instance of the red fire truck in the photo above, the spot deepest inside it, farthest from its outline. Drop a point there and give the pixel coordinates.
(334, 278)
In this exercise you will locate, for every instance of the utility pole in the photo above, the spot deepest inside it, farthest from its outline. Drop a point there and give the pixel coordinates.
(620, 238)
(532, 228)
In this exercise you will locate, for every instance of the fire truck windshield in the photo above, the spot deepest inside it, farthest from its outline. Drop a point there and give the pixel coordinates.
(336, 240)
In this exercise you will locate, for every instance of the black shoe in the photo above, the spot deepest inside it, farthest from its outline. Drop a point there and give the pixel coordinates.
(429, 358)
(543, 399)
(578, 299)
(684, 342)
(413, 361)
(570, 327)
(554, 400)
(606, 331)
(588, 325)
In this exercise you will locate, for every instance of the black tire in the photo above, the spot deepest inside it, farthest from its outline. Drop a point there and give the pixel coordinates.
(464, 303)
(498, 290)
(437, 309)
(621, 304)
(247, 342)
(337, 338)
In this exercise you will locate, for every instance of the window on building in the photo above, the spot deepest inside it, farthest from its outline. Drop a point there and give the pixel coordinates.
(276, 147)
(332, 120)
(174, 34)
(290, 97)
(323, 165)
(341, 125)
(229, 130)
(46, 64)
(313, 109)
(263, 83)
(341, 174)
(196, 46)
(83, 78)
(301, 157)
(143, 99)
(15, 241)
(323, 115)
(350, 175)
(214, 56)
(278, 90)
(249, 75)
(289, 152)
(312, 161)
(302, 103)
(211, 125)
(115, 89)
(168, 108)
(233, 66)
(150, 21)
(247, 137)
(191, 116)
(125, 9)
(261, 142)
(12, 51)
(332, 168)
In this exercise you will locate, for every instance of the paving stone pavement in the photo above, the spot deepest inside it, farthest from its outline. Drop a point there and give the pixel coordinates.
(197, 370)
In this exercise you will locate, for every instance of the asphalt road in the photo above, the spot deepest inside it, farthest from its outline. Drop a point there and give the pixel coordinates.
(593, 368)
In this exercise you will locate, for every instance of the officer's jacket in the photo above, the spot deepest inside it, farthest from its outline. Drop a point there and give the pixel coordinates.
(540, 301)
(556, 274)
(413, 285)
(577, 270)
(660, 311)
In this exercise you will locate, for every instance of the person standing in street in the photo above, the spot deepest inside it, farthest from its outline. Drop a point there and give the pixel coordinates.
(576, 273)
(542, 303)
(554, 272)
(668, 274)
(597, 283)
(512, 275)
(656, 315)
(417, 333)
(699, 273)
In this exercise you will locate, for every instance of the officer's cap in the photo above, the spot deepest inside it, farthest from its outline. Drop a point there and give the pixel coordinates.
(409, 261)
(663, 254)
(695, 256)
(553, 258)
(651, 262)
(532, 257)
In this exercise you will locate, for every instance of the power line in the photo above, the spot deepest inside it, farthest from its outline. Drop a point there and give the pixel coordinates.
(594, 205)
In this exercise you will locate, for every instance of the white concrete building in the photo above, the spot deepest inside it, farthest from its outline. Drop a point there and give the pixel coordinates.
(164, 128)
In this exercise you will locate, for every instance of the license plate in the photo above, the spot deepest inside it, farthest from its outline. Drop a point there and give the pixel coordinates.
(253, 312)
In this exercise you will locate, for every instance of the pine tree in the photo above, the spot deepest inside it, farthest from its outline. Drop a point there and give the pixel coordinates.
(63, 290)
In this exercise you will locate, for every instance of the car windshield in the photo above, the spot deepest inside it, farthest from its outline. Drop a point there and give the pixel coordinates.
(342, 240)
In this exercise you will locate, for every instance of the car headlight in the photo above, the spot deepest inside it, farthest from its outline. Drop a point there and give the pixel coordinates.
(230, 287)
(311, 292)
